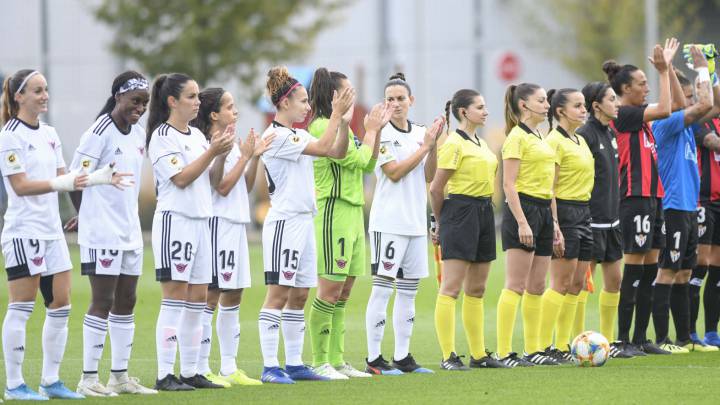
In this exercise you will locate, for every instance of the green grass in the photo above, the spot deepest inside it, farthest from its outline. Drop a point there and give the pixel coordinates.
(664, 379)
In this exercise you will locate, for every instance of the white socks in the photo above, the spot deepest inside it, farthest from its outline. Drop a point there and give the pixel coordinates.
(166, 332)
(205, 341)
(189, 335)
(122, 332)
(94, 333)
(404, 316)
(293, 329)
(228, 331)
(269, 327)
(13, 341)
(54, 338)
(376, 314)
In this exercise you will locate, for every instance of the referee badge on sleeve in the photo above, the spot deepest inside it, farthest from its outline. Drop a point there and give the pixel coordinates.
(13, 160)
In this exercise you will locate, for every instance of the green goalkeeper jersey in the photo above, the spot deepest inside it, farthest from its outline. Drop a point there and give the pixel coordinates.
(341, 178)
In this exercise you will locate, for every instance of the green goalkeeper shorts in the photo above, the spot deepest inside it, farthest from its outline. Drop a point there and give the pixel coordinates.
(340, 238)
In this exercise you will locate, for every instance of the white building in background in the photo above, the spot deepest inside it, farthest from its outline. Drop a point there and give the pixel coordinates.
(440, 46)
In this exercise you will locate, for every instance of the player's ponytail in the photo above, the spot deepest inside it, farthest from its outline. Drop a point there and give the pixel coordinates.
(324, 83)
(121, 79)
(209, 103)
(513, 95)
(11, 85)
(165, 85)
(447, 116)
(551, 112)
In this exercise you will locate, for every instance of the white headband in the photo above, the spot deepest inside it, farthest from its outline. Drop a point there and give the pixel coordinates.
(24, 82)
(136, 83)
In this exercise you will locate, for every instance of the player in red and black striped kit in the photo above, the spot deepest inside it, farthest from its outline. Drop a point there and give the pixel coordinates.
(641, 191)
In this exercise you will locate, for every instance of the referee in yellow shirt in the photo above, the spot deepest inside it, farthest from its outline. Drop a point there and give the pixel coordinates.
(528, 229)
(574, 179)
(465, 229)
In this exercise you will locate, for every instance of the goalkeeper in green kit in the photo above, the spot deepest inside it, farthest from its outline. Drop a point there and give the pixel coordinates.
(339, 224)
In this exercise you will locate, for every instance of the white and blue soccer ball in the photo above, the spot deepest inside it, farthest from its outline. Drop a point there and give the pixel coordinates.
(590, 349)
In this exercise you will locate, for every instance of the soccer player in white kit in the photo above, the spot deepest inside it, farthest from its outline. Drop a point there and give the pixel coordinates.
(288, 236)
(228, 238)
(181, 159)
(33, 244)
(398, 228)
(109, 235)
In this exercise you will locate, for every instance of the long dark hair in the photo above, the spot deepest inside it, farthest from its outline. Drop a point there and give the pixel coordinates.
(594, 92)
(119, 81)
(513, 95)
(165, 85)
(209, 103)
(11, 84)
(324, 82)
(557, 99)
(618, 75)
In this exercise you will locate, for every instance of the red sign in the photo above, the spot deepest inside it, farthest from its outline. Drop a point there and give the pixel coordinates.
(509, 67)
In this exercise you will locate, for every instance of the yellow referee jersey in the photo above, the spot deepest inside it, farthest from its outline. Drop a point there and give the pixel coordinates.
(577, 166)
(475, 165)
(537, 161)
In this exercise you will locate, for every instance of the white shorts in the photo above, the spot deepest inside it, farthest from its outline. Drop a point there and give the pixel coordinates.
(231, 257)
(108, 262)
(398, 256)
(30, 257)
(181, 248)
(289, 254)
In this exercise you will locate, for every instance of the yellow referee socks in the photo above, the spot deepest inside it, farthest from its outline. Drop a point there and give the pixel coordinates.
(473, 317)
(565, 321)
(531, 305)
(445, 324)
(550, 305)
(579, 323)
(506, 312)
(608, 313)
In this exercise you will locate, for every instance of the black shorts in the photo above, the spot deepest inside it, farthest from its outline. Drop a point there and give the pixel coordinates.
(467, 229)
(607, 244)
(574, 221)
(539, 217)
(642, 224)
(708, 217)
(680, 251)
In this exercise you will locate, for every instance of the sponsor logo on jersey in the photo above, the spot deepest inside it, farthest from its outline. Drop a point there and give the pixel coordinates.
(614, 143)
(226, 276)
(411, 320)
(85, 163)
(19, 349)
(288, 274)
(52, 144)
(674, 255)
(295, 138)
(37, 261)
(180, 267)
(388, 265)
(690, 153)
(341, 263)
(602, 147)
(636, 283)
(172, 339)
(640, 239)
(701, 230)
(118, 151)
(325, 331)
(141, 149)
(187, 148)
(396, 143)
(273, 327)
(99, 346)
(380, 324)
(205, 341)
(31, 147)
(106, 262)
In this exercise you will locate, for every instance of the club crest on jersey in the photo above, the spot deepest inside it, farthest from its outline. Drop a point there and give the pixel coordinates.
(13, 160)
(383, 150)
(180, 267)
(640, 239)
(701, 230)
(174, 160)
(674, 255)
(288, 275)
(37, 261)
(226, 276)
(106, 262)
(295, 138)
(341, 263)
(388, 265)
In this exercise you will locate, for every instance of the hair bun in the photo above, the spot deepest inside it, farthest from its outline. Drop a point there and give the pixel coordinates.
(277, 77)
(398, 76)
(611, 68)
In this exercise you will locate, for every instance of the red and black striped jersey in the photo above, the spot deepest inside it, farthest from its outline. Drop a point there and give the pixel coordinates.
(708, 162)
(638, 175)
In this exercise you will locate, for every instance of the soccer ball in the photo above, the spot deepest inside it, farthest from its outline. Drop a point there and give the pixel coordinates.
(590, 349)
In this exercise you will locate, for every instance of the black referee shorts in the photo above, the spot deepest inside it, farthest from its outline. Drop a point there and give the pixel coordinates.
(708, 217)
(467, 229)
(680, 251)
(539, 218)
(607, 244)
(642, 223)
(574, 221)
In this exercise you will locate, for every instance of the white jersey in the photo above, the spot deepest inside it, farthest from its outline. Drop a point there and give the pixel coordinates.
(170, 151)
(108, 217)
(37, 152)
(400, 208)
(235, 206)
(289, 173)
